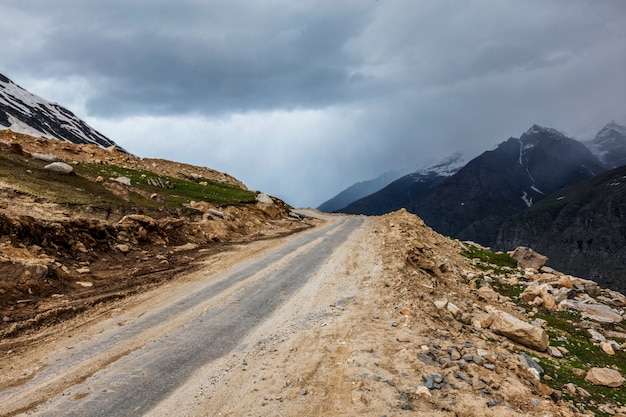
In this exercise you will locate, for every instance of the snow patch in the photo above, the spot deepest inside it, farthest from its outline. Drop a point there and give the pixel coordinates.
(527, 201)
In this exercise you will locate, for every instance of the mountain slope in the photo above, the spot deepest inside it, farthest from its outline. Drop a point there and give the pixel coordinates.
(359, 190)
(400, 193)
(24, 112)
(499, 183)
(609, 145)
(581, 229)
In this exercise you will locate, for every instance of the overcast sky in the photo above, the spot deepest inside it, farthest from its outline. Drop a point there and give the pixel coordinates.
(300, 99)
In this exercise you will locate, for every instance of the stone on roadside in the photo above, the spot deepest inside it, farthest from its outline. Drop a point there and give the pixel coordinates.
(605, 377)
(504, 324)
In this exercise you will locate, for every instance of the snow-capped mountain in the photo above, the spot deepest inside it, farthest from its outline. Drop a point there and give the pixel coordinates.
(403, 191)
(609, 145)
(24, 112)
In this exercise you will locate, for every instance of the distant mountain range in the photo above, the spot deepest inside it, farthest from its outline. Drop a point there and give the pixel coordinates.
(402, 192)
(544, 190)
(24, 112)
(358, 190)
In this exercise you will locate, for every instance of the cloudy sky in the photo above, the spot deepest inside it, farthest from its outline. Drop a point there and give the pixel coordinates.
(301, 99)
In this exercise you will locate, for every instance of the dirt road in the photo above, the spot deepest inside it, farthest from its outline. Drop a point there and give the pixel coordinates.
(143, 360)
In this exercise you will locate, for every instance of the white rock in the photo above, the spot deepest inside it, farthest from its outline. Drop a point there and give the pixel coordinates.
(123, 180)
(60, 167)
(44, 157)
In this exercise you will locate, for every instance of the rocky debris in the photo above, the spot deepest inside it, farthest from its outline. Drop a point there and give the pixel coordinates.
(528, 258)
(605, 377)
(60, 167)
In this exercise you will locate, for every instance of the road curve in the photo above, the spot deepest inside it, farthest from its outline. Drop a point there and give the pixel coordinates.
(212, 321)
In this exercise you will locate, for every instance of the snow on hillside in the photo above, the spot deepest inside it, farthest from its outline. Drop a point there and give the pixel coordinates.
(25, 112)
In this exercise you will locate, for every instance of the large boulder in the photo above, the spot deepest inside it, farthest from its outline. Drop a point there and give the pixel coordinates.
(519, 331)
(605, 377)
(528, 258)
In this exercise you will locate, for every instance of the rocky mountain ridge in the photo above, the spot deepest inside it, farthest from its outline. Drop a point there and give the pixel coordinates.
(24, 112)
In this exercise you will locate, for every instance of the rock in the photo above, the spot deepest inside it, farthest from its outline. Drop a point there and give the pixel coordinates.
(528, 258)
(440, 304)
(60, 167)
(139, 218)
(264, 199)
(218, 214)
(564, 282)
(454, 310)
(83, 270)
(554, 352)
(604, 377)
(571, 388)
(44, 157)
(597, 312)
(607, 348)
(123, 180)
(123, 248)
(422, 391)
(519, 331)
(185, 247)
(596, 336)
(487, 293)
(579, 372)
(84, 284)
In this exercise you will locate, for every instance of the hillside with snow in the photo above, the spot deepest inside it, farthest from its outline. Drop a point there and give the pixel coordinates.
(24, 112)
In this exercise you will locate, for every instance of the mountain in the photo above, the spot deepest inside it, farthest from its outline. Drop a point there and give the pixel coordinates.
(24, 112)
(358, 190)
(609, 145)
(581, 229)
(473, 203)
(402, 192)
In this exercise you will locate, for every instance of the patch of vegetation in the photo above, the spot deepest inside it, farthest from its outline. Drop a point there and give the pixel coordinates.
(511, 291)
(489, 257)
(564, 330)
(182, 191)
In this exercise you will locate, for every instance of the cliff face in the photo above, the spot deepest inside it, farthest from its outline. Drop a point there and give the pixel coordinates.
(581, 229)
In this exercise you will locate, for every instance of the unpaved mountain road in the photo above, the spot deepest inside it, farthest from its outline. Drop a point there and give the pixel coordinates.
(137, 362)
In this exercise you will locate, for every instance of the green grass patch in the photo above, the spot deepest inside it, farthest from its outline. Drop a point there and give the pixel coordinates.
(489, 257)
(183, 190)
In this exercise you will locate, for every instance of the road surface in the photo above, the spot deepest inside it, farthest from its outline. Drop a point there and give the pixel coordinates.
(129, 369)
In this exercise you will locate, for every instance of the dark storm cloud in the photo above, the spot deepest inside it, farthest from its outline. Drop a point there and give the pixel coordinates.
(325, 92)
(216, 57)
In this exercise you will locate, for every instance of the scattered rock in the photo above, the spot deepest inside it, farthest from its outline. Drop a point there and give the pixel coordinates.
(555, 352)
(83, 270)
(605, 377)
(85, 284)
(185, 247)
